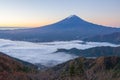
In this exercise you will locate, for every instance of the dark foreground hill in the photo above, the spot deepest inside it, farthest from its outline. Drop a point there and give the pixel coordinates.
(14, 69)
(93, 52)
(70, 28)
(102, 68)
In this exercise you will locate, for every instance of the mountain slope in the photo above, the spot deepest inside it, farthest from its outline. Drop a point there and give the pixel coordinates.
(112, 38)
(102, 68)
(12, 69)
(70, 28)
(11, 63)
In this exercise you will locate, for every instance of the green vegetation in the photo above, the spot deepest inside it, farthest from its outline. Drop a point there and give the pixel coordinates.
(72, 70)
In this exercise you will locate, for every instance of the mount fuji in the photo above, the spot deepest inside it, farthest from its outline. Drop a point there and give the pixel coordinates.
(70, 28)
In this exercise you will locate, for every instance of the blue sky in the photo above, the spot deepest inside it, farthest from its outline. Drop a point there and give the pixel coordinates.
(33, 13)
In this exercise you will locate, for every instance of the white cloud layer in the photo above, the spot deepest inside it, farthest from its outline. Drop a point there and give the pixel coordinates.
(43, 52)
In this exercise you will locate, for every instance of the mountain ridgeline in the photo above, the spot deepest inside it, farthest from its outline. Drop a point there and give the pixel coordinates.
(111, 38)
(70, 28)
(93, 52)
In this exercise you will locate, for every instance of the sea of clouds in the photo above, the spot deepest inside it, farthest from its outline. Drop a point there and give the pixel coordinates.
(43, 52)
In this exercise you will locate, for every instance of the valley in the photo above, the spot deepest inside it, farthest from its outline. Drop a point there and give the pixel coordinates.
(45, 52)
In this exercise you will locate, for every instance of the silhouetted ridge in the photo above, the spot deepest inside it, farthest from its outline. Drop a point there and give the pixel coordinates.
(93, 52)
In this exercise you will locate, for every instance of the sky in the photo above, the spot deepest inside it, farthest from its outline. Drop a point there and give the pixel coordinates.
(35, 13)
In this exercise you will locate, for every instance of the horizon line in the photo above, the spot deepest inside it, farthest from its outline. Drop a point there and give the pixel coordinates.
(57, 22)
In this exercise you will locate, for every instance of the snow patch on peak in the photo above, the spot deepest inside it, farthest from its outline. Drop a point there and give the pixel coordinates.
(72, 16)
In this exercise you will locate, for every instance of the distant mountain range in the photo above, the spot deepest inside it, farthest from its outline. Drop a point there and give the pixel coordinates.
(112, 38)
(70, 28)
(93, 52)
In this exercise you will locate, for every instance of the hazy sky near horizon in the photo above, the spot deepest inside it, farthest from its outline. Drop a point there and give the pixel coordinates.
(34, 13)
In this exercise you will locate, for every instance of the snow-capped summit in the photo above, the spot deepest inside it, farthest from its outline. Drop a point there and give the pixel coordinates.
(73, 19)
(72, 16)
